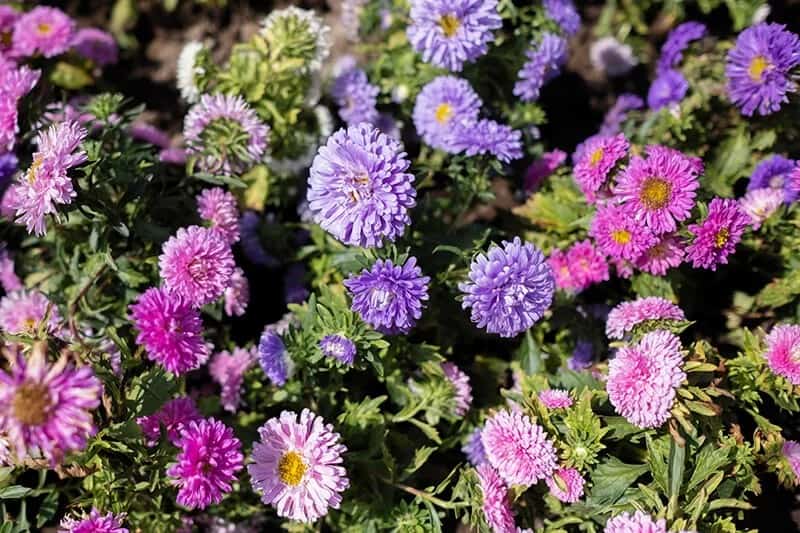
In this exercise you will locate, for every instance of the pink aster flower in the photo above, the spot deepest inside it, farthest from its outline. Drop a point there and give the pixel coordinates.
(46, 409)
(517, 448)
(659, 190)
(791, 451)
(637, 522)
(207, 464)
(596, 160)
(619, 235)
(218, 207)
(228, 370)
(566, 485)
(555, 398)
(172, 416)
(625, 316)
(14, 84)
(197, 264)
(170, 330)
(237, 295)
(587, 265)
(8, 16)
(643, 378)
(560, 265)
(95, 522)
(462, 389)
(716, 237)
(42, 30)
(496, 506)
(8, 277)
(297, 466)
(24, 311)
(473, 448)
(783, 352)
(760, 204)
(542, 168)
(668, 252)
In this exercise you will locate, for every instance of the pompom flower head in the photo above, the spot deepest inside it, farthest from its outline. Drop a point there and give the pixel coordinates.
(219, 208)
(173, 417)
(509, 288)
(46, 31)
(637, 522)
(23, 312)
(355, 96)
(618, 235)
(643, 378)
(237, 295)
(566, 485)
(197, 264)
(451, 33)
(555, 398)
(95, 522)
(486, 137)
(440, 105)
(668, 252)
(627, 315)
(517, 448)
(228, 369)
(209, 459)
(359, 190)
(544, 63)
(297, 466)
(338, 347)
(273, 358)
(389, 297)
(759, 68)
(496, 506)
(596, 160)
(96, 45)
(716, 237)
(776, 173)
(461, 388)
(783, 352)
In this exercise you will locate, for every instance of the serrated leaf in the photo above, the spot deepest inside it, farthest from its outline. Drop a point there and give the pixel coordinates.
(611, 479)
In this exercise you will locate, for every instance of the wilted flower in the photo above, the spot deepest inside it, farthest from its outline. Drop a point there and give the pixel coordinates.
(42, 30)
(783, 345)
(627, 315)
(441, 104)
(566, 485)
(716, 237)
(544, 63)
(172, 416)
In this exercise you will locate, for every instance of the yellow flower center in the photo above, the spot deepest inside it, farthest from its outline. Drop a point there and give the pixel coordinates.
(444, 113)
(44, 29)
(757, 67)
(621, 236)
(31, 404)
(597, 155)
(35, 166)
(655, 193)
(721, 237)
(449, 24)
(291, 468)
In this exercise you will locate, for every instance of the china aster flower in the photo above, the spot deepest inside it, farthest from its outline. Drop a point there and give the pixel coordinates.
(451, 33)
(677, 42)
(8, 16)
(8, 277)
(618, 235)
(566, 485)
(716, 237)
(46, 409)
(359, 190)
(486, 137)
(173, 156)
(783, 345)
(172, 416)
(170, 330)
(643, 378)
(237, 295)
(586, 264)
(776, 173)
(338, 347)
(627, 315)
(23, 312)
(669, 88)
(612, 57)
(440, 105)
(637, 522)
(461, 388)
(791, 451)
(389, 297)
(543, 168)
(760, 204)
(659, 189)
(668, 252)
(297, 466)
(517, 448)
(543, 64)
(555, 398)
(14, 84)
(142, 131)
(210, 457)
(218, 207)
(197, 264)
(563, 13)
(356, 97)
(496, 505)
(94, 522)
(509, 288)
(618, 113)
(42, 30)
(8, 166)
(188, 70)
(273, 357)
(561, 273)
(228, 369)
(597, 158)
(225, 134)
(582, 356)
(473, 448)
(759, 68)
(96, 45)
(302, 33)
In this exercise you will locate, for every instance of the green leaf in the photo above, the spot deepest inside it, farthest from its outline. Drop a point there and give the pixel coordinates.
(708, 461)
(70, 77)
(421, 456)
(14, 492)
(729, 163)
(647, 285)
(610, 480)
(529, 355)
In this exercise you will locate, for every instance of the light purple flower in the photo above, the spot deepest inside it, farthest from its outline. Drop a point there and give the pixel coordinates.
(150, 134)
(338, 347)
(273, 358)
(677, 42)
(473, 448)
(543, 168)
(355, 96)
(544, 63)
(668, 89)
(776, 172)
(486, 137)
(760, 204)
(638, 522)
(618, 113)
(564, 13)
(441, 104)
(791, 452)
(228, 369)
(612, 57)
(555, 398)
(23, 312)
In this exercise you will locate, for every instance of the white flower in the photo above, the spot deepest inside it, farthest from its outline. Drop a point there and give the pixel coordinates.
(316, 28)
(610, 56)
(187, 70)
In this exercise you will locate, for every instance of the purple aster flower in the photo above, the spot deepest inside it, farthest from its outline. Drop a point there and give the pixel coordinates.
(473, 448)
(142, 131)
(46, 409)
(219, 208)
(273, 358)
(496, 504)
(451, 33)
(618, 113)
(625, 316)
(783, 345)
(461, 387)
(518, 449)
(669, 88)
(96, 45)
(359, 190)
(544, 63)
(389, 297)
(612, 57)
(170, 330)
(173, 156)
(23, 312)
(659, 190)
(509, 288)
(172, 416)
(42, 30)
(228, 369)
(297, 466)
(237, 295)
(760, 204)
(95, 522)
(338, 347)
(543, 168)
(355, 96)
(668, 252)
(566, 485)
(443, 102)
(596, 160)
(759, 68)
(225, 134)
(249, 225)
(207, 464)
(638, 522)
(643, 378)
(555, 398)
(486, 137)
(197, 264)
(677, 42)
(618, 235)
(791, 452)
(716, 237)
(582, 356)
(8, 277)
(8, 165)
(776, 173)
(563, 13)
(294, 284)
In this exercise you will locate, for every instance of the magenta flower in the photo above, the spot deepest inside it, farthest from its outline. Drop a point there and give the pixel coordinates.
(8, 276)
(659, 190)
(555, 398)
(297, 466)
(237, 295)
(619, 235)
(228, 370)
(587, 265)
(627, 315)
(14, 84)
(197, 265)
(23, 313)
(643, 378)
(783, 347)
(668, 252)
(473, 448)
(173, 417)
(8, 16)
(543, 168)
(461, 388)
(791, 452)
(597, 159)
(95, 522)
(96, 45)
(566, 485)
(760, 204)
(496, 506)
(46, 409)
(716, 237)
(218, 207)
(638, 522)
(42, 30)
(517, 448)
(561, 273)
